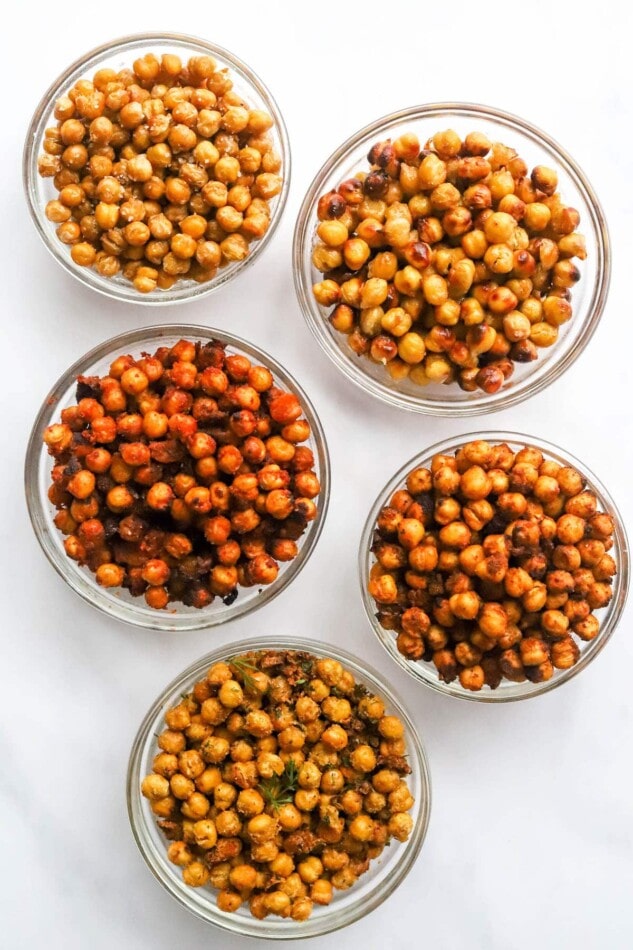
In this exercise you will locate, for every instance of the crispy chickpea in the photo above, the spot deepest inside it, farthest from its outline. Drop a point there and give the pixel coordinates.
(250, 802)
(224, 796)
(171, 741)
(195, 874)
(196, 806)
(243, 877)
(400, 826)
(321, 892)
(289, 817)
(155, 787)
(231, 694)
(179, 853)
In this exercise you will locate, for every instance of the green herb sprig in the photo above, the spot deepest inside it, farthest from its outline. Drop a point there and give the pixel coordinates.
(279, 790)
(246, 669)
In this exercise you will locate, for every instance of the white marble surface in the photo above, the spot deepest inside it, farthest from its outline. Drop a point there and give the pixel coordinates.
(531, 838)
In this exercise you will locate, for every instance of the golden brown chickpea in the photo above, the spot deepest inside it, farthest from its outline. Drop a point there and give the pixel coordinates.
(195, 874)
(321, 892)
(400, 826)
(231, 694)
(250, 802)
(289, 817)
(309, 776)
(196, 806)
(336, 710)
(191, 763)
(570, 529)
(179, 853)
(155, 787)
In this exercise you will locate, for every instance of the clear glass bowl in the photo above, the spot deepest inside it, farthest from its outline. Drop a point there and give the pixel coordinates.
(118, 602)
(609, 616)
(385, 873)
(119, 54)
(588, 296)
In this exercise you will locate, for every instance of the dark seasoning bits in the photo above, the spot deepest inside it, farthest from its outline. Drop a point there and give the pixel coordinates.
(181, 476)
(448, 263)
(491, 565)
(163, 172)
(278, 780)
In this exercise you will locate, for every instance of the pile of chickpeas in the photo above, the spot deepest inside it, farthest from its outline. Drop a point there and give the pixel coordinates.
(181, 476)
(491, 564)
(163, 172)
(447, 263)
(278, 780)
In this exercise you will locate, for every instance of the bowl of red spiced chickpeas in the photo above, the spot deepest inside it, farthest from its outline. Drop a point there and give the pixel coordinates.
(177, 477)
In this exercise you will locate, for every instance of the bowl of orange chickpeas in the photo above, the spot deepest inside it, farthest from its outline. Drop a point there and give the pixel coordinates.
(156, 168)
(494, 566)
(278, 788)
(451, 258)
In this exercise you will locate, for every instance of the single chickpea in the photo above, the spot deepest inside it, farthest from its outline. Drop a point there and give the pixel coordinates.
(195, 874)
(400, 826)
(224, 796)
(155, 787)
(321, 892)
(231, 694)
(289, 817)
(250, 802)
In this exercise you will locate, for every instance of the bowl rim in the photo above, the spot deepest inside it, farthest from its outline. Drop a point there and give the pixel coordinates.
(484, 403)
(251, 926)
(73, 575)
(87, 276)
(516, 691)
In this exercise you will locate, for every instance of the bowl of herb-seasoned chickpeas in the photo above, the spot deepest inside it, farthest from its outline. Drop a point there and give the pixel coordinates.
(278, 789)
(156, 168)
(494, 566)
(451, 258)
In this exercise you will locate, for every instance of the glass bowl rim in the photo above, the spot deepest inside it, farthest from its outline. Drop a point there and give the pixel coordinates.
(405, 858)
(68, 570)
(484, 404)
(614, 610)
(33, 140)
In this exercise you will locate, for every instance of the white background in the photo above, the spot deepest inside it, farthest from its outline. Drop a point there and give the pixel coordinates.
(530, 841)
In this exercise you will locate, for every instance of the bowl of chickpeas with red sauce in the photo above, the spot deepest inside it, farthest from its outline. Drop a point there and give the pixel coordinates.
(278, 788)
(451, 259)
(156, 168)
(177, 477)
(494, 566)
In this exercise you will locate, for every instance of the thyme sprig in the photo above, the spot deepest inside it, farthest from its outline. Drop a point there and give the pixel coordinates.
(246, 669)
(279, 790)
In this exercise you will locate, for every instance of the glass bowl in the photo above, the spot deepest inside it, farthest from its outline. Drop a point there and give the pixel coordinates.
(119, 54)
(588, 296)
(609, 616)
(117, 602)
(386, 872)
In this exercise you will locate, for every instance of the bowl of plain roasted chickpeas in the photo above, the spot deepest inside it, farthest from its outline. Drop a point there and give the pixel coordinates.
(156, 168)
(451, 258)
(494, 566)
(278, 789)
(177, 477)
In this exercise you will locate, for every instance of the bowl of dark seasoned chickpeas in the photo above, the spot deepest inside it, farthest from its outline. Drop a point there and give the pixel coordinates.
(177, 477)
(278, 789)
(494, 566)
(451, 258)
(156, 168)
